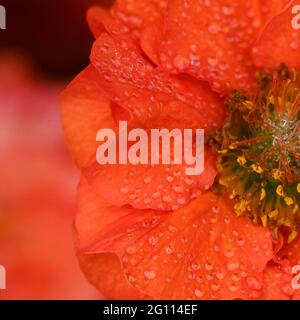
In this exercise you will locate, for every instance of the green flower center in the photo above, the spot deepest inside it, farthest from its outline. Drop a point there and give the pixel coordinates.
(259, 152)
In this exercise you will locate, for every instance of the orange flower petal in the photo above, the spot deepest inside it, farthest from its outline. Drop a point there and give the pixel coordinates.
(132, 82)
(102, 227)
(138, 14)
(279, 42)
(278, 276)
(270, 8)
(277, 282)
(291, 252)
(150, 40)
(160, 187)
(95, 17)
(104, 272)
(211, 41)
(85, 110)
(200, 251)
(203, 251)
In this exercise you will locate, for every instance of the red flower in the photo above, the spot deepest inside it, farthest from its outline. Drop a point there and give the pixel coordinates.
(151, 231)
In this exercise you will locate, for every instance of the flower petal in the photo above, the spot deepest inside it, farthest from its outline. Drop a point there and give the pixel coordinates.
(200, 251)
(138, 14)
(160, 187)
(85, 109)
(279, 42)
(102, 227)
(150, 40)
(132, 82)
(203, 251)
(95, 17)
(210, 40)
(278, 275)
(291, 252)
(270, 8)
(104, 272)
(277, 282)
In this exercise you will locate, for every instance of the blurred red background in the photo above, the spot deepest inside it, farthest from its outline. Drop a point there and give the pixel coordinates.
(45, 44)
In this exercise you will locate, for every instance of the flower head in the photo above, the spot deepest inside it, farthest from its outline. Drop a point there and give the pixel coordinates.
(191, 64)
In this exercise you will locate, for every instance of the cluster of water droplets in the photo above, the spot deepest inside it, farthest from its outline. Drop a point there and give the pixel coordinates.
(206, 262)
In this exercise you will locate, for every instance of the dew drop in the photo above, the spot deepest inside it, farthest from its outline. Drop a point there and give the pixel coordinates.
(198, 293)
(149, 275)
(253, 283)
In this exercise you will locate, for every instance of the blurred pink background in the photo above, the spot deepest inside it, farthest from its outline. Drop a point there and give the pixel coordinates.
(46, 43)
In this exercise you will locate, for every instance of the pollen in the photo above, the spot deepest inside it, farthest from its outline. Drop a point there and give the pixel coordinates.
(241, 160)
(257, 168)
(289, 201)
(276, 174)
(279, 191)
(260, 169)
(262, 194)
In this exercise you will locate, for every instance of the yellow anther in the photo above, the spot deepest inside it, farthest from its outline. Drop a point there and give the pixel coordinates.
(224, 151)
(289, 201)
(298, 187)
(241, 207)
(241, 160)
(280, 191)
(296, 208)
(273, 213)
(224, 182)
(293, 235)
(248, 104)
(232, 147)
(257, 168)
(276, 174)
(233, 194)
(264, 220)
(262, 194)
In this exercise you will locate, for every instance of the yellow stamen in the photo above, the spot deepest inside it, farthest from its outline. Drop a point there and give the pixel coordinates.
(241, 207)
(293, 235)
(257, 168)
(280, 191)
(276, 174)
(241, 160)
(264, 220)
(273, 213)
(262, 194)
(289, 201)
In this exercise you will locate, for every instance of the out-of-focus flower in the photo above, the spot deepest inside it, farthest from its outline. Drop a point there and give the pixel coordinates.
(36, 191)
(173, 64)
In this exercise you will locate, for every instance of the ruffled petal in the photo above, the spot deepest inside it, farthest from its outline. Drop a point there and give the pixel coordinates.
(291, 252)
(151, 37)
(279, 43)
(270, 8)
(202, 251)
(85, 109)
(279, 274)
(211, 41)
(159, 187)
(95, 17)
(104, 272)
(277, 282)
(138, 14)
(145, 91)
(102, 227)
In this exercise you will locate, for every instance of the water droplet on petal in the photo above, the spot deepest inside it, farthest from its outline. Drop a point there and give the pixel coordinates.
(149, 275)
(198, 293)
